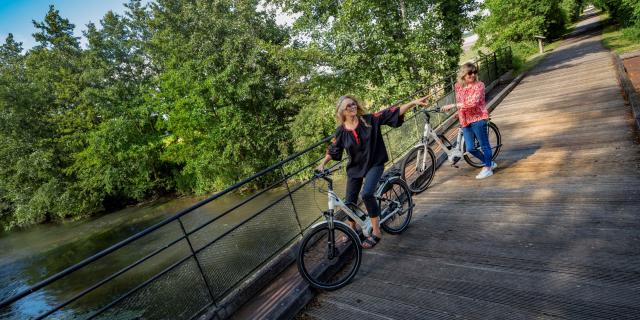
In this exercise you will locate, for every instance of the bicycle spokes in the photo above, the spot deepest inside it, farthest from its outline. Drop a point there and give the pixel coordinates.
(398, 207)
(418, 168)
(329, 258)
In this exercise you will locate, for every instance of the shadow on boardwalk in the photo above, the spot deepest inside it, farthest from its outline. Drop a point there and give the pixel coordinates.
(555, 233)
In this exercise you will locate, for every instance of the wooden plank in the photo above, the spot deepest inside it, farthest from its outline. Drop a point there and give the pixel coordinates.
(555, 233)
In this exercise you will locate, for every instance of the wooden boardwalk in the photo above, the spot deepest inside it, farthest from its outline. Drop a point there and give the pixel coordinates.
(555, 233)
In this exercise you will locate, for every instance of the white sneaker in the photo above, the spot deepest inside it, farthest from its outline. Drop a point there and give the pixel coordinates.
(494, 165)
(484, 173)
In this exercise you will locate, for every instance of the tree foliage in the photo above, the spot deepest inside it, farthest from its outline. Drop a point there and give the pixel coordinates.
(378, 51)
(184, 96)
(514, 21)
(626, 12)
(572, 9)
(221, 90)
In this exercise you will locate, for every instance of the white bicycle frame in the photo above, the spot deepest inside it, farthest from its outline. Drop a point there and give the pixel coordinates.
(366, 225)
(454, 151)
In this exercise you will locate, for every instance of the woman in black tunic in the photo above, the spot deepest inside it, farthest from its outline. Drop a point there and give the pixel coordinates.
(360, 135)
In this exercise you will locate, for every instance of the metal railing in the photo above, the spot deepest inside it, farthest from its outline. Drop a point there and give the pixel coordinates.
(185, 264)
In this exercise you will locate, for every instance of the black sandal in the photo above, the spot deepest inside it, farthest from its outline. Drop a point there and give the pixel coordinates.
(370, 242)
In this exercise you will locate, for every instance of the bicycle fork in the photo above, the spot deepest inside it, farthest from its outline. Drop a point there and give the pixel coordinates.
(332, 250)
(421, 157)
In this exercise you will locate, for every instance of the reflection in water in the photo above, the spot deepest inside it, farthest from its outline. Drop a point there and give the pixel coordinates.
(33, 255)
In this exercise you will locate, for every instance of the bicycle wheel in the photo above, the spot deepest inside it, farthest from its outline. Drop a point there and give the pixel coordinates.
(418, 168)
(495, 140)
(324, 270)
(396, 200)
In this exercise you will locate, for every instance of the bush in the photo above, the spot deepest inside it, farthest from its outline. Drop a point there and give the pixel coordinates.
(522, 50)
(572, 9)
(625, 12)
(631, 33)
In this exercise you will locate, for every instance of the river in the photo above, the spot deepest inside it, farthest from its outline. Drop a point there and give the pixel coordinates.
(29, 256)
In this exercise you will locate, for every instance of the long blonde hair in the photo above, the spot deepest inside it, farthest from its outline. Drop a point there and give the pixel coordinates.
(464, 70)
(341, 106)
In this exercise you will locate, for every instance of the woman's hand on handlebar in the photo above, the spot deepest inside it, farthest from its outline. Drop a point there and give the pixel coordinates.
(323, 163)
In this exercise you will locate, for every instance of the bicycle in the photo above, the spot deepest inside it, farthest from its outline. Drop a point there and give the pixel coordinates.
(419, 166)
(331, 252)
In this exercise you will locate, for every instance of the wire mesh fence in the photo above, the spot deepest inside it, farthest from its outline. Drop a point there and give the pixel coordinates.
(187, 263)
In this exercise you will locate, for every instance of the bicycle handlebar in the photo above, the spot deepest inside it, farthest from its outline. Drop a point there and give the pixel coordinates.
(327, 172)
(434, 110)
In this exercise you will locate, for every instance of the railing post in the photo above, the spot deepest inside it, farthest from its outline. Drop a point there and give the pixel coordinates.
(510, 58)
(295, 211)
(195, 257)
(486, 68)
(495, 64)
(393, 159)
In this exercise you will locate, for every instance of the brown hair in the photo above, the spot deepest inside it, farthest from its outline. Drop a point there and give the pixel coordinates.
(464, 70)
(341, 105)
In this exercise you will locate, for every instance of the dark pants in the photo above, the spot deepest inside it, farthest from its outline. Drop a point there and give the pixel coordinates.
(370, 183)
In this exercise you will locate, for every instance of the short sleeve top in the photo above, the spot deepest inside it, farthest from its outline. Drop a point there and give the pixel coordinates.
(473, 104)
(364, 144)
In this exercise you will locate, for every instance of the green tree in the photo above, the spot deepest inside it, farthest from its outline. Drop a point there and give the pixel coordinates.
(192, 96)
(38, 97)
(572, 8)
(220, 90)
(119, 157)
(12, 121)
(625, 12)
(513, 21)
(455, 18)
(378, 51)
(374, 49)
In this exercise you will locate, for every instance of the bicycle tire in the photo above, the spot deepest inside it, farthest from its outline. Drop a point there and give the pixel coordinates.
(398, 191)
(412, 165)
(496, 144)
(321, 272)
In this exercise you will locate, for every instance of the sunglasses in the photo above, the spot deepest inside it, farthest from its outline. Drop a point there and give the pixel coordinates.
(470, 72)
(352, 105)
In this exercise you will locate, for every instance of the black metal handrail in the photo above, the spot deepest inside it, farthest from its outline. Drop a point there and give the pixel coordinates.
(152, 228)
(491, 67)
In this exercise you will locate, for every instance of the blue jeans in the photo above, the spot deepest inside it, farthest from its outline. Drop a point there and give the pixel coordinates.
(478, 130)
(370, 183)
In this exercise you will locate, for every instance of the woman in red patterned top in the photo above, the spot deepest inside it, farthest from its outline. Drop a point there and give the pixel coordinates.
(473, 115)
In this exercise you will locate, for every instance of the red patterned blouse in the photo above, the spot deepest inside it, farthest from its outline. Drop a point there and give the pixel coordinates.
(473, 105)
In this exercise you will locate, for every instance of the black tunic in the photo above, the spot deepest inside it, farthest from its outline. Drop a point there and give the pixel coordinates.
(364, 145)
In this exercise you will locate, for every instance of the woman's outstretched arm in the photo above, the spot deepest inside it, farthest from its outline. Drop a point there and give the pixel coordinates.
(420, 101)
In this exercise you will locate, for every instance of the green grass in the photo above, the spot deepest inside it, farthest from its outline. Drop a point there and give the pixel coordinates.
(621, 40)
(533, 57)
